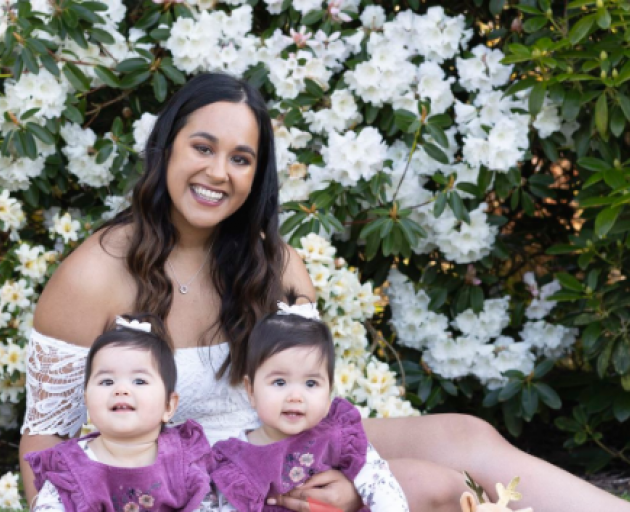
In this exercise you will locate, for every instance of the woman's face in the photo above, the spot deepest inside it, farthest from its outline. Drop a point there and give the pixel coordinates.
(212, 165)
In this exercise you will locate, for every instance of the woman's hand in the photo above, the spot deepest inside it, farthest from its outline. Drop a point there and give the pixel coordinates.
(328, 488)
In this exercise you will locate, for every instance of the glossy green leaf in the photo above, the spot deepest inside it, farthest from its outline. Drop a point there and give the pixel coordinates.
(601, 115)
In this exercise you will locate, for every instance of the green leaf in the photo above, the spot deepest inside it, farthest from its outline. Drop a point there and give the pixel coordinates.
(617, 122)
(160, 34)
(535, 24)
(438, 135)
(30, 61)
(606, 219)
(313, 88)
(440, 204)
(603, 18)
(160, 86)
(86, 13)
(624, 103)
(567, 424)
(510, 390)
(581, 29)
(604, 359)
(571, 105)
(50, 64)
(312, 17)
(458, 207)
(435, 153)
(537, 97)
(593, 164)
(135, 64)
(30, 147)
(107, 76)
(476, 299)
(31, 196)
(134, 79)
(601, 115)
(404, 119)
(569, 282)
(76, 77)
(621, 407)
(543, 368)
(73, 114)
(102, 36)
(173, 74)
(41, 133)
(104, 153)
(621, 357)
(292, 222)
(496, 6)
(548, 395)
(529, 401)
(438, 297)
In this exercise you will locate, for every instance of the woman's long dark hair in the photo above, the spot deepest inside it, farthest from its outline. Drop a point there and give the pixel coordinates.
(247, 254)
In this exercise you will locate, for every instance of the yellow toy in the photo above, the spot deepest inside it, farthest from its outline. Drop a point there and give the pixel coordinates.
(469, 503)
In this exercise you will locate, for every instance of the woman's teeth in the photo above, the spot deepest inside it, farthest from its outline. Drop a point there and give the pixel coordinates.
(211, 195)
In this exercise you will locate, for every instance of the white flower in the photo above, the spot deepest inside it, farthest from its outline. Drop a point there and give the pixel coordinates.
(378, 383)
(373, 16)
(142, 129)
(15, 294)
(394, 407)
(32, 261)
(316, 249)
(11, 214)
(346, 376)
(13, 358)
(116, 204)
(66, 227)
(547, 121)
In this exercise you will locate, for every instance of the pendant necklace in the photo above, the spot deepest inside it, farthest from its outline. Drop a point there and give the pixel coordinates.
(183, 288)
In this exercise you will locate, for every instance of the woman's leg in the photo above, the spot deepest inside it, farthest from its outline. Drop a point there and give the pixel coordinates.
(428, 486)
(467, 443)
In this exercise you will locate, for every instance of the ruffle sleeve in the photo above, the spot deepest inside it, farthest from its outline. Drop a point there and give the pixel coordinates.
(235, 485)
(51, 465)
(351, 437)
(198, 462)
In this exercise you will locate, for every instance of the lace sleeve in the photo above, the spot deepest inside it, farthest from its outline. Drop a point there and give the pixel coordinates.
(54, 387)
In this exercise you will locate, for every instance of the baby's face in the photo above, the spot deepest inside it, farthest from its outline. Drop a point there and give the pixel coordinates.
(125, 395)
(291, 392)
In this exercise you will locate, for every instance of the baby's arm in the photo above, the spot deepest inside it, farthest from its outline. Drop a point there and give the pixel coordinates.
(48, 499)
(378, 488)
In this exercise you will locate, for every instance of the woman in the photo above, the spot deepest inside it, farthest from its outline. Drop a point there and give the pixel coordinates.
(200, 248)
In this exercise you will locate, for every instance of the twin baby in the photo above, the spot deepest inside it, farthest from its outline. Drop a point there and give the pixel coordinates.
(133, 463)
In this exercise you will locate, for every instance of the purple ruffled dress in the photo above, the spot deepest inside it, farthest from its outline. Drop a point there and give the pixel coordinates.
(248, 474)
(177, 480)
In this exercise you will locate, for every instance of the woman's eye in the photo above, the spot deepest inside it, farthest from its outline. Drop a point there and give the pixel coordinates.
(241, 160)
(204, 150)
(278, 382)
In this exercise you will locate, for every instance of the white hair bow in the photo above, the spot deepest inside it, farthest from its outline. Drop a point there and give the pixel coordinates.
(133, 324)
(306, 310)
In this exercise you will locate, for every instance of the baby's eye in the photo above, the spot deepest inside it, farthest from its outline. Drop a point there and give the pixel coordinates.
(139, 382)
(106, 382)
(279, 382)
(311, 383)
(204, 150)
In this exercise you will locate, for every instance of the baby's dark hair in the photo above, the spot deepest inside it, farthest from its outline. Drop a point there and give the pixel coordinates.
(280, 331)
(156, 342)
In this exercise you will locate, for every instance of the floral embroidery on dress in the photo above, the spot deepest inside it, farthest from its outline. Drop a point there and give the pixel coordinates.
(297, 467)
(135, 500)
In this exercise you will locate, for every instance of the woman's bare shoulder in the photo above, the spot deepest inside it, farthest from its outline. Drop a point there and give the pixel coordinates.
(296, 276)
(87, 290)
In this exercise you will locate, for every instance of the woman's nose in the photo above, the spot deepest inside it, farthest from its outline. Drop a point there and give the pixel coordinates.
(217, 170)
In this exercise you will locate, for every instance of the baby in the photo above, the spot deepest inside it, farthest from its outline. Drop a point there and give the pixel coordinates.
(132, 463)
(290, 371)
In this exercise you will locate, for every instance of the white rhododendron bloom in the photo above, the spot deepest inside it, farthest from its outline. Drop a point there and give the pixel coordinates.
(373, 17)
(142, 129)
(66, 227)
(11, 213)
(9, 492)
(12, 357)
(82, 156)
(116, 204)
(42, 91)
(15, 294)
(33, 262)
(540, 307)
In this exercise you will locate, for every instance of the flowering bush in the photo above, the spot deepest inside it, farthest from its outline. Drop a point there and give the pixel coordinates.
(419, 151)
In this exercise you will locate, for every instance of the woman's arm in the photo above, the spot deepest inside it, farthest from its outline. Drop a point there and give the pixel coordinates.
(80, 299)
(297, 277)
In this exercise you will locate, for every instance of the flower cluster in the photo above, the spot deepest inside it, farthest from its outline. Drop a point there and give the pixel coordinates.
(345, 303)
(9, 493)
(474, 343)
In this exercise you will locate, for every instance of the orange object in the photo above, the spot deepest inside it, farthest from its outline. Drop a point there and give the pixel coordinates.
(318, 506)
